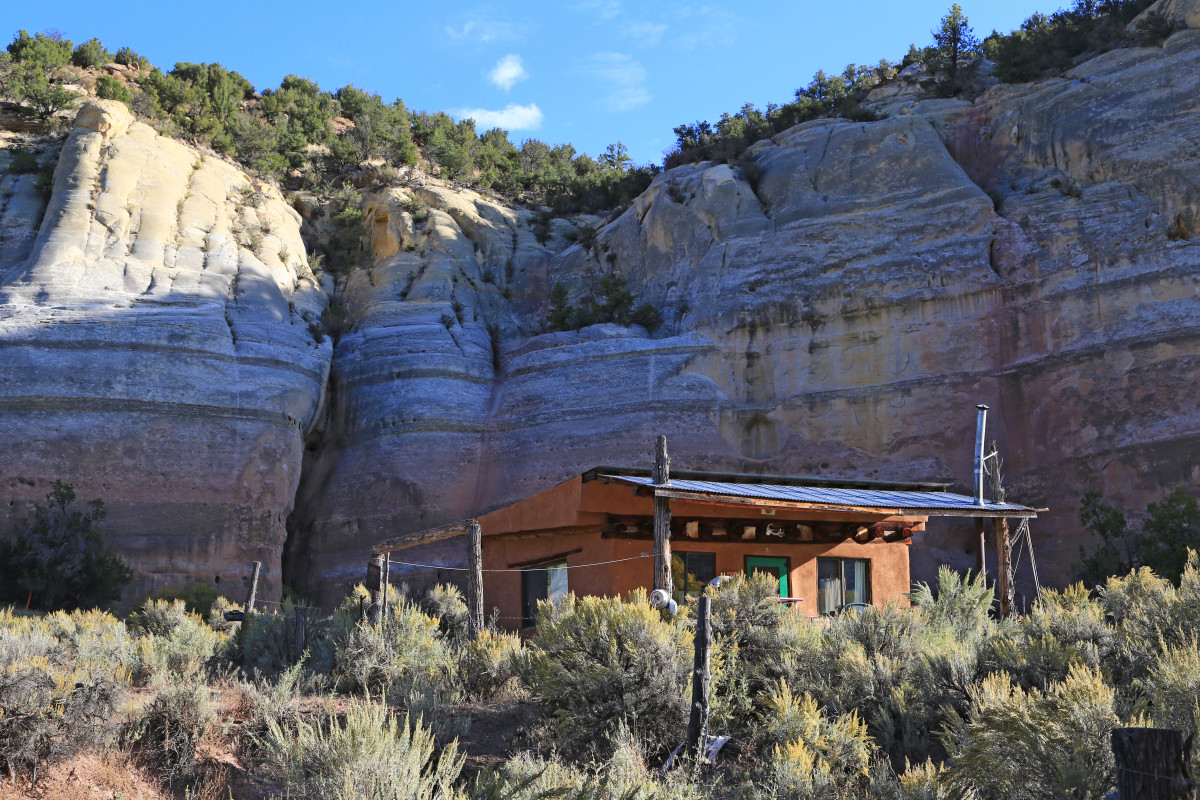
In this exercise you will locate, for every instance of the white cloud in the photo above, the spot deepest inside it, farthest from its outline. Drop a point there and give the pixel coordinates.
(511, 118)
(604, 9)
(646, 34)
(622, 79)
(483, 28)
(714, 28)
(508, 71)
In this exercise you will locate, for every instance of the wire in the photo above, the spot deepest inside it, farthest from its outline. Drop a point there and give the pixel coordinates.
(527, 569)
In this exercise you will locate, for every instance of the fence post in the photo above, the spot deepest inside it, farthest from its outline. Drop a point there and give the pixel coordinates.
(1153, 764)
(375, 587)
(250, 595)
(662, 518)
(301, 633)
(387, 584)
(700, 674)
(474, 578)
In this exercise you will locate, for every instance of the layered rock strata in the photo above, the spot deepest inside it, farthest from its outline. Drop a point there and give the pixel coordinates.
(155, 351)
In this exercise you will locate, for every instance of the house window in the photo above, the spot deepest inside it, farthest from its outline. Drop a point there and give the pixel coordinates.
(691, 572)
(841, 581)
(545, 582)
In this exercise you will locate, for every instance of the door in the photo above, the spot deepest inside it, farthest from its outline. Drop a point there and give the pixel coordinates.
(772, 565)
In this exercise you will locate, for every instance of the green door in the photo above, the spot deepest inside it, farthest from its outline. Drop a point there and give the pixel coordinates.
(773, 565)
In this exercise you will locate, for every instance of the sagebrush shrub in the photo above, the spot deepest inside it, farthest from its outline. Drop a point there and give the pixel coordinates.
(182, 654)
(171, 728)
(371, 756)
(445, 603)
(598, 662)
(485, 665)
(1029, 744)
(403, 653)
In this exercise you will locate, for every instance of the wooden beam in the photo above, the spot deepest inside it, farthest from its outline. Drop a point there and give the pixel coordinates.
(1004, 585)
(428, 536)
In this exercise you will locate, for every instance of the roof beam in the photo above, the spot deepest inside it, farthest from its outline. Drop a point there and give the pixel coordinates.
(730, 500)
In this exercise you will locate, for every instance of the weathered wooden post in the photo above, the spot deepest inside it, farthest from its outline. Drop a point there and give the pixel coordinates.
(387, 584)
(1004, 583)
(1153, 764)
(253, 591)
(375, 587)
(700, 674)
(662, 518)
(474, 578)
(981, 535)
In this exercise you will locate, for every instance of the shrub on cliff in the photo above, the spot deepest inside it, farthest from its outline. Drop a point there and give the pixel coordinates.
(91, 53)
(61, 561)
(109, 88)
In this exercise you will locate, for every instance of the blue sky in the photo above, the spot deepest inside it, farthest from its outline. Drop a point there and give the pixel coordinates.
(589, 72)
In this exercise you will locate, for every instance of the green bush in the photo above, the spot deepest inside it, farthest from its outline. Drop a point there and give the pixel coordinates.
(371, 756)
(445, 603)
(109, 88)
(197, 598)
(128, 57)
(61, 561)
(267, 641)
(170, 730)
(813, 755)
(91, 53)
(597, 663)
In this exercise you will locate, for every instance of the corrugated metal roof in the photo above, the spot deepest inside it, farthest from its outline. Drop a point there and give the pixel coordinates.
(928, 503)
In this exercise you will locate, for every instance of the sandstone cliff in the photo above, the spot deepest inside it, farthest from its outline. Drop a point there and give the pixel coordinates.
(835, 305)
(154, 350)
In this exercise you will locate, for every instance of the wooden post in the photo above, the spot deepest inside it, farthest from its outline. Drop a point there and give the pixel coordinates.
(1153, 764)
(662, 518)
(1004, 587)
(700, 674)
(474, 578)
(387, 584)
(301, 640)
(375, 587)
(250, 595)
(982, 537)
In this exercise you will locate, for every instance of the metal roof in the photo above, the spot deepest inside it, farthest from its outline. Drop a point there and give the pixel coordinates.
(924, 503)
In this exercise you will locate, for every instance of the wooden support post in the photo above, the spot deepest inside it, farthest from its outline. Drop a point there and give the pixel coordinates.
(1153, 764)
(253, 591)
(698, 721)
(662, 518)
(982, 537)
(1004, 587)
(474, 578)
(387, 585)
(375, 587)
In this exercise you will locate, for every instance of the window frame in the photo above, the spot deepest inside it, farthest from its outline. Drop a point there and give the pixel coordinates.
(675, 590)
(529, 614)
(841, 562)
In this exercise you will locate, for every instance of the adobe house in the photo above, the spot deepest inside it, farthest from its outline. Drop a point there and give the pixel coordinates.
(829, 543)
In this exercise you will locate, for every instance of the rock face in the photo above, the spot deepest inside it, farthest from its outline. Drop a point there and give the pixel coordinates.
(154, 351)
(837, 311)
(835, 305)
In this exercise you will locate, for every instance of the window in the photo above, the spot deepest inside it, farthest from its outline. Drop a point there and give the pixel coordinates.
(546, 582)
(841, 581)
(691, 572)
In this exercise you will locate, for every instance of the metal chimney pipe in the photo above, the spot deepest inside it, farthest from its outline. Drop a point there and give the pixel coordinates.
(980, 429)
